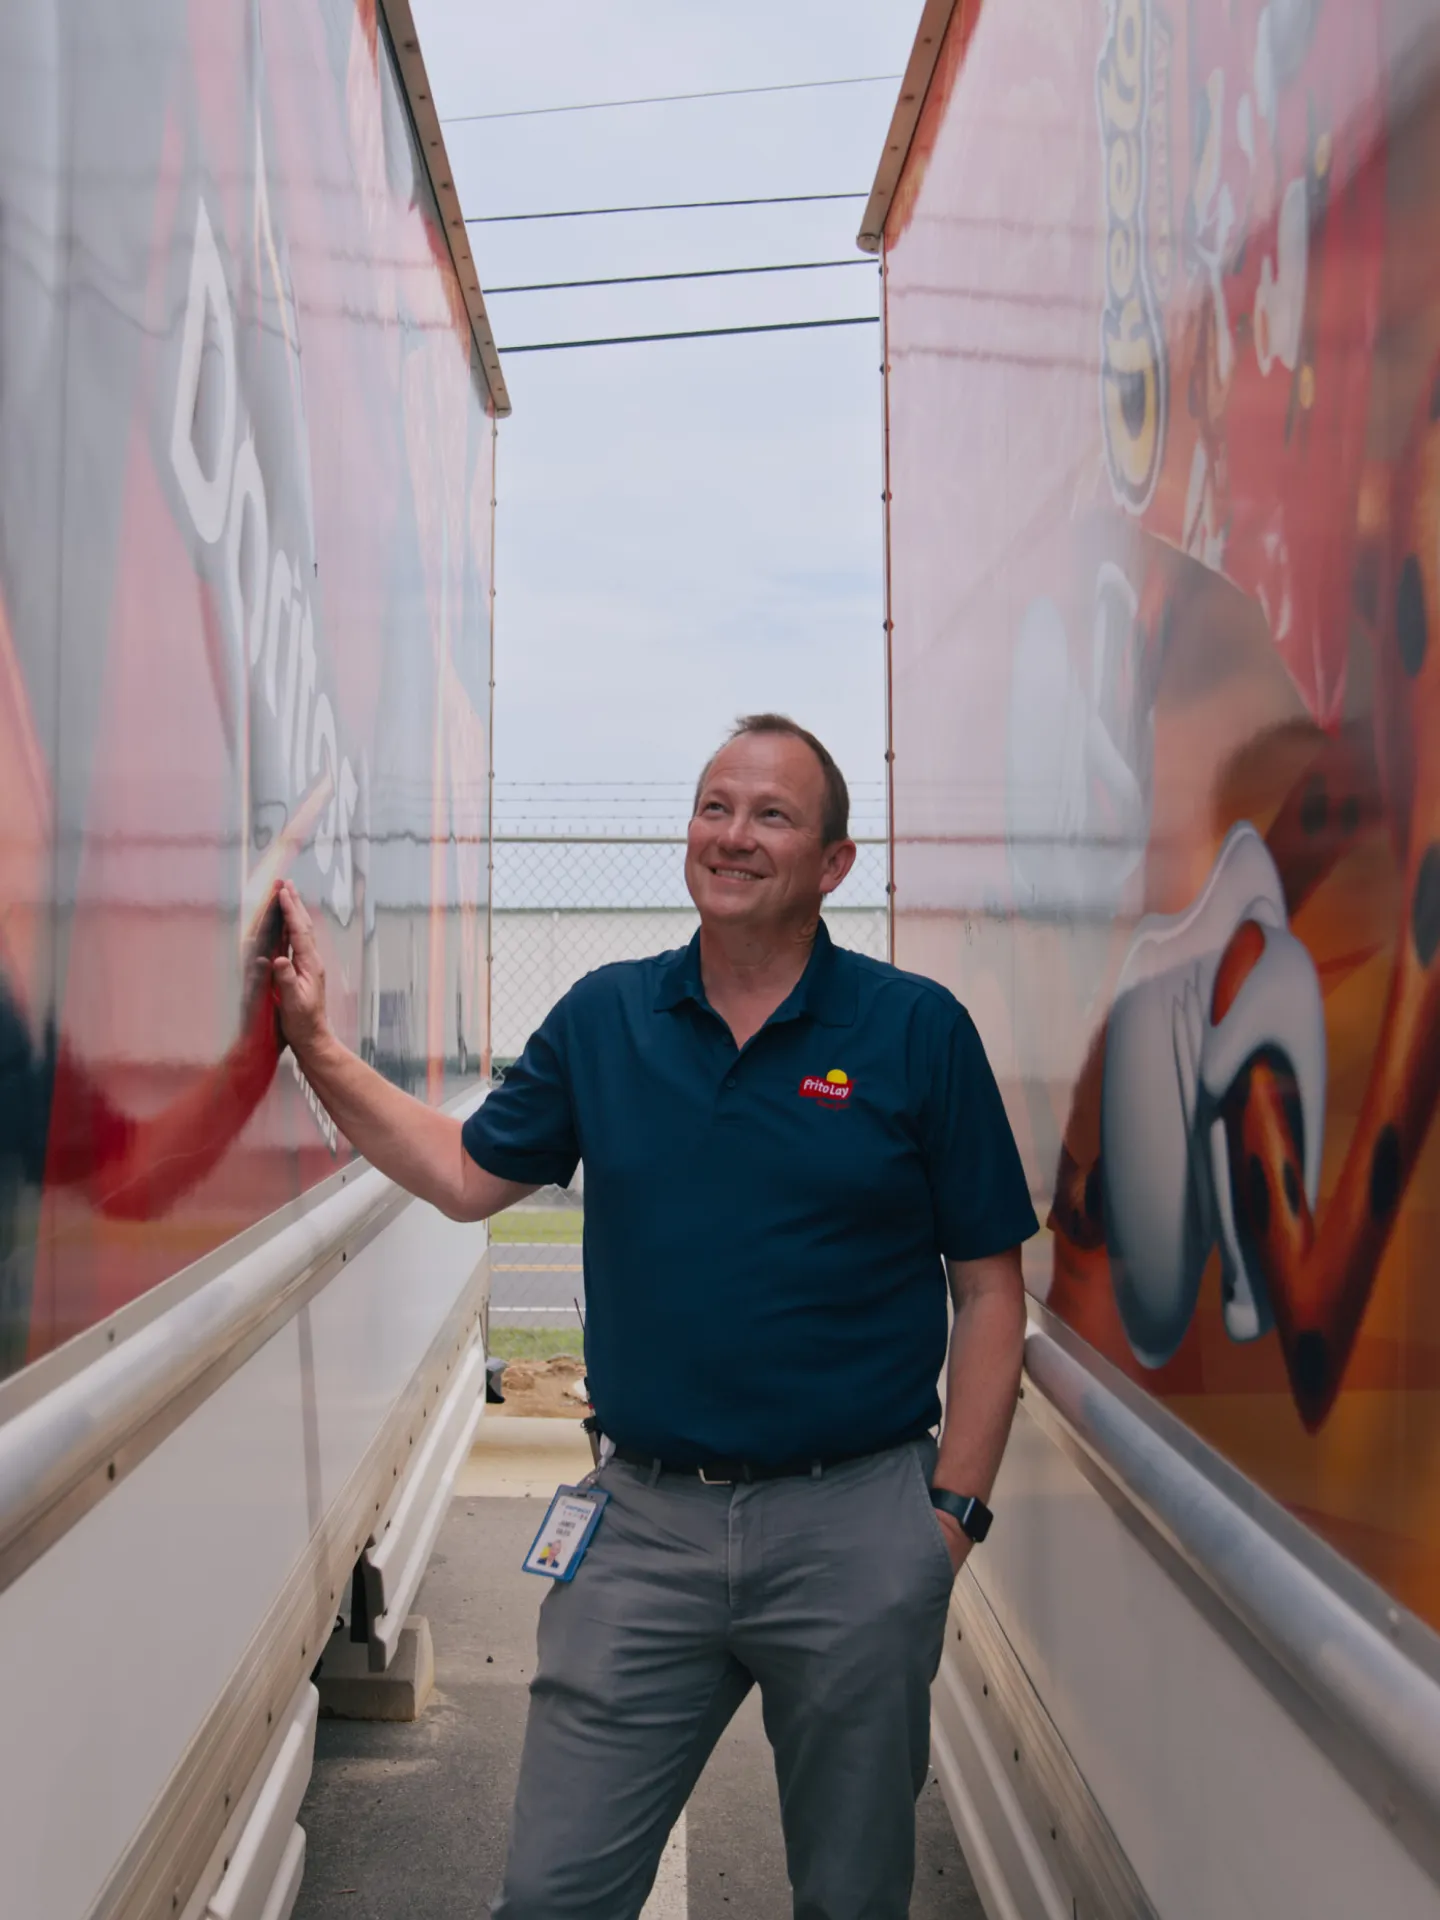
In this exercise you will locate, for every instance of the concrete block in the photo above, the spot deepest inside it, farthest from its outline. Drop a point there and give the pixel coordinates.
(349, 1691)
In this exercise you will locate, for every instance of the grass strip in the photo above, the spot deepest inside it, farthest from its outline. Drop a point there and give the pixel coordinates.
(536, 1343)
(537, 1227)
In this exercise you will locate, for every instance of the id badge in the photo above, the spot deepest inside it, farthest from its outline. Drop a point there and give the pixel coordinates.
(565, 1532)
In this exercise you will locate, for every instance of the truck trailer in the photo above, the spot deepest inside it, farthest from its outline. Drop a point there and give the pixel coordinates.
(1162, 435)
(248, 405)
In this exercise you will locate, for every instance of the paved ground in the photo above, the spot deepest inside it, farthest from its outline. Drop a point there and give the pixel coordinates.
(408, 1822)
(535, 1286)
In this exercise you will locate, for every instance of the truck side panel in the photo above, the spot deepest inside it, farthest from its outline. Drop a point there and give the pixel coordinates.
(246, 471)
(1120, 741)
(246, 489)
(1163, 349)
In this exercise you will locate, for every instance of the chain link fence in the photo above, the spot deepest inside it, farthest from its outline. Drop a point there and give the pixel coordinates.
(567, 902)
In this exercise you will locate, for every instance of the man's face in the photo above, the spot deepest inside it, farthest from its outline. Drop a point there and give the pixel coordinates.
(755, 855)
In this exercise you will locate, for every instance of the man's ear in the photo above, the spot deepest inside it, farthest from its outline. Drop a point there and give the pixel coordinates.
(839, 859)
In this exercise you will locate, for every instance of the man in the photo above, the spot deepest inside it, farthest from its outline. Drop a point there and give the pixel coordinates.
(785, 1146)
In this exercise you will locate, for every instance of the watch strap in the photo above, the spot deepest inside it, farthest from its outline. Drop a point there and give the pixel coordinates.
(971, 1515)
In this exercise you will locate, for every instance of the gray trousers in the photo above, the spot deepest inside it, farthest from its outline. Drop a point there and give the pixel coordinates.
(829, 1593)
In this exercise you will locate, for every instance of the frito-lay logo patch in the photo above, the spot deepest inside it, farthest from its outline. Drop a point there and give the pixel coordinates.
(834, 1086)
(1134, 377)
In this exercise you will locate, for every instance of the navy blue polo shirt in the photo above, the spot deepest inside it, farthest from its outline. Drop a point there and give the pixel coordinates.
(764, 1227)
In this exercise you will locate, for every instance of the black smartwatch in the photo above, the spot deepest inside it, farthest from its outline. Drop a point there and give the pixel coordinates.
(973, 1515)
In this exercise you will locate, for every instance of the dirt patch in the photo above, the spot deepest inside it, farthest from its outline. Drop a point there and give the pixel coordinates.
(544, 1389)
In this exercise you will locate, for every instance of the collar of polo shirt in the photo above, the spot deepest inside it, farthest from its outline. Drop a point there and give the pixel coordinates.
(823, 991)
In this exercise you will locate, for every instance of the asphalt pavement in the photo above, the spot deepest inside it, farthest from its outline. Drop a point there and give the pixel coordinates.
(407, 1821)
(535, 1286)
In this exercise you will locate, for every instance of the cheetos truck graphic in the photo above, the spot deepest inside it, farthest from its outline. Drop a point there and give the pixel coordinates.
(1162, 416)
(248, 400)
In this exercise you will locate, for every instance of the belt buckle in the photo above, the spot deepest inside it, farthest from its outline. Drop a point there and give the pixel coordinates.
(713, 1483)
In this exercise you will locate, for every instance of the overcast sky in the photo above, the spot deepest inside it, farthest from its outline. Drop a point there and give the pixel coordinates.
(690, 529)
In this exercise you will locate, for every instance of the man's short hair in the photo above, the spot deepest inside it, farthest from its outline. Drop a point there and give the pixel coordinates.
(835, 810)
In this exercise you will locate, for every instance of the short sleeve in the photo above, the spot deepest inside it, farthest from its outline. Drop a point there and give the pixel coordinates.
(525, 1129)
(981, 1194)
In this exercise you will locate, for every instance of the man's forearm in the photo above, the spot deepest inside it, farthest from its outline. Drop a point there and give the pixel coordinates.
(987, 1344)
(417, 1147)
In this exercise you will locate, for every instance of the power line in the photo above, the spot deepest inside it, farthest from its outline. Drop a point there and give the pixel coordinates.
(705, 273)
(692, 333)
(664, 99)
(662, 206)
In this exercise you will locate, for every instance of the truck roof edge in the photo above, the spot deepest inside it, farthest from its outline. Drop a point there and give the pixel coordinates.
(400, 21)
(929, 38)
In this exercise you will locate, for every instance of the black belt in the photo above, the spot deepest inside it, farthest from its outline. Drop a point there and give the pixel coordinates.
(729, 1473)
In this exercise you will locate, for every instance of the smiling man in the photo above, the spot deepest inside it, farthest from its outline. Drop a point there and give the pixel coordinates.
(788, 1148)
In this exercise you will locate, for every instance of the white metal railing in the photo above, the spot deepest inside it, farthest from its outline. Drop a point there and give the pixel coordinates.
(60, 1454)
(1351, 1667)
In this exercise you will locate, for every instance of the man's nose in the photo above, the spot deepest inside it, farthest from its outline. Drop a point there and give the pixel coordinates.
(738, 835)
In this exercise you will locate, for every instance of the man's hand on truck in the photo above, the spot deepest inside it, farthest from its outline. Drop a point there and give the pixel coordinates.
(419, 1148)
